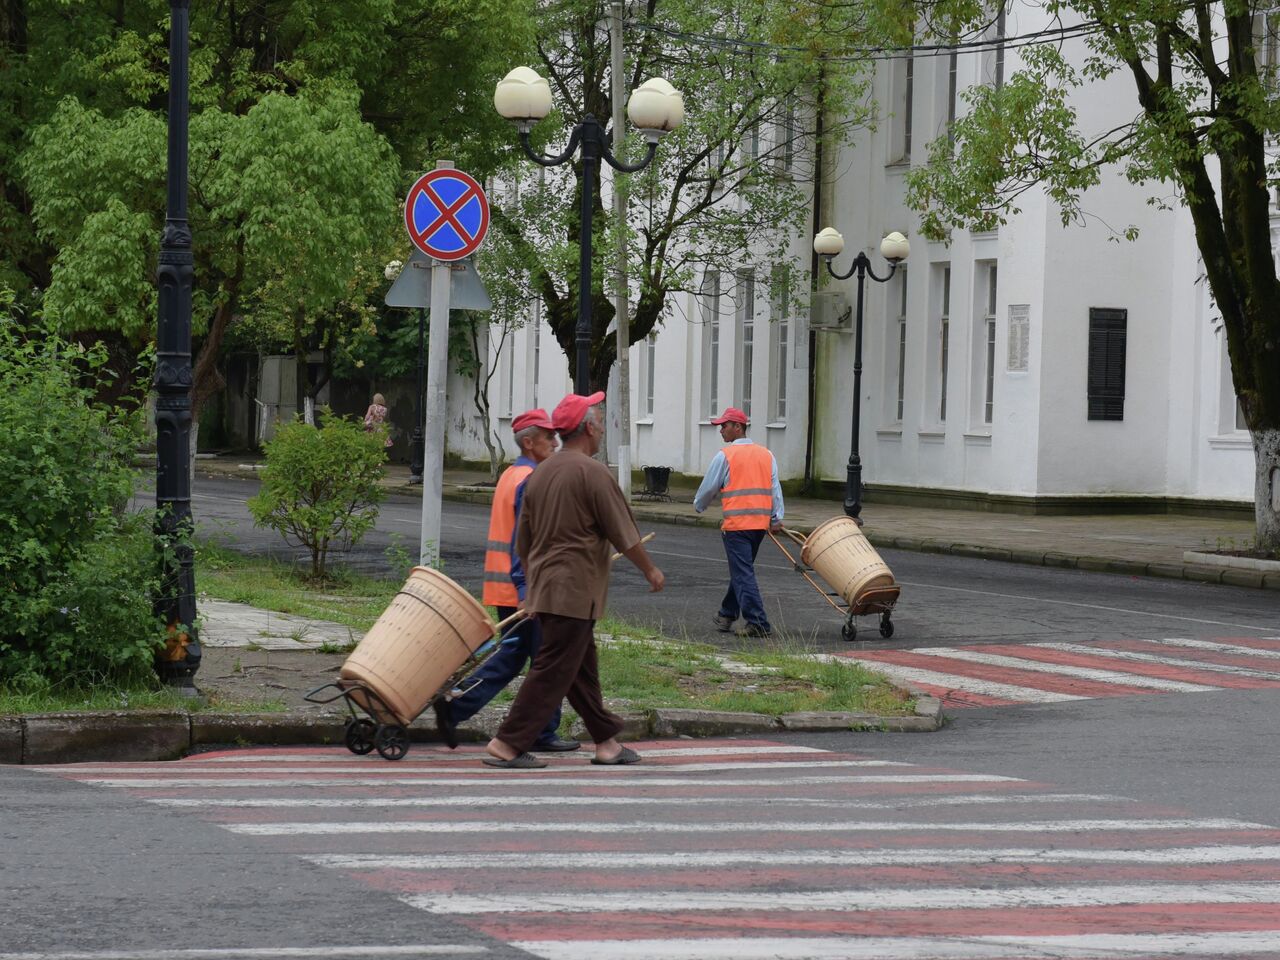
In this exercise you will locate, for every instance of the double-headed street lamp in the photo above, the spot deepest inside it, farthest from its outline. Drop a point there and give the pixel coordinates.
(655, 107)
(894, 248)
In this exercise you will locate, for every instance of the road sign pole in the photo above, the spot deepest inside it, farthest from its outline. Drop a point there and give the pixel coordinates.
(433, 440)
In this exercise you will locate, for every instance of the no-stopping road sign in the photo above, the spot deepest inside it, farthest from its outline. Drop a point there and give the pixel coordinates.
(447, 214)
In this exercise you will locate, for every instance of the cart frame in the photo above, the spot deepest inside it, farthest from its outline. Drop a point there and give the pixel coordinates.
(366, 729)
(879, 600)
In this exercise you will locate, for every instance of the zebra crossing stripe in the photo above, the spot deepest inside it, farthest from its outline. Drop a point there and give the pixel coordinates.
(1220, 647)
(1084, 673)
(969, 947)
(398, 952)
(878, 898)
(343, 828)
(947, 681)
(479, 800)
(850, 858)
(529, 779)
(1201, 666)
(328, 756)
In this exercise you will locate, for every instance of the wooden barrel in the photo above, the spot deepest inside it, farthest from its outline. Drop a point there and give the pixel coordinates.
(845, 558)
(431, 627)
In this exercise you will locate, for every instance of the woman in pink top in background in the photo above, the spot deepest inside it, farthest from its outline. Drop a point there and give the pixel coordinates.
(375, 417)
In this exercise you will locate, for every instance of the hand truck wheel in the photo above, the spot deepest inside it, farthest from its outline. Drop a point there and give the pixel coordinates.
(848, 632)
(359, 736)
(886, 626)
(392, 741)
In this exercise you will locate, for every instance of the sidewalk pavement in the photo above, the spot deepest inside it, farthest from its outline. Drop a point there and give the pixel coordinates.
(1154, 545)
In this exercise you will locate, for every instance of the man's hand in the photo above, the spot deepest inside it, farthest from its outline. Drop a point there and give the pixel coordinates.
(775, 526)
(656, 579)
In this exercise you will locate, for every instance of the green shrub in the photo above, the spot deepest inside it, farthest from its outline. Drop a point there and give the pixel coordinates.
(76, 571)
(320, 485)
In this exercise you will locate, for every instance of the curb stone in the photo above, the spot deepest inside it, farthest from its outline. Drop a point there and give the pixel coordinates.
(76, 738)
(10, 740)
(265, 728)
(671, 722)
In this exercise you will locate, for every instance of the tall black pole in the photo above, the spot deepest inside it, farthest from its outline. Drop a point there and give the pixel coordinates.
(176, 601)
(417, 444)
(591, 137)
(853, 472)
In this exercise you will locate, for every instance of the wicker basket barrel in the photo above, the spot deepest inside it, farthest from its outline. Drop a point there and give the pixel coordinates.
(431, 627)
(845, 558)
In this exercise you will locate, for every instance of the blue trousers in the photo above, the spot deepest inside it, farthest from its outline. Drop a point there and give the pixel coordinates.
(743, 597)
(517, 649)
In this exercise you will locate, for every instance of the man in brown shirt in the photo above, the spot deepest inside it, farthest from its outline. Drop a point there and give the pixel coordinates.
(573, 510)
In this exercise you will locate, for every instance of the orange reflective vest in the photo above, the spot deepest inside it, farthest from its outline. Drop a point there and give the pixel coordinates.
(747, 497)
(499, 591)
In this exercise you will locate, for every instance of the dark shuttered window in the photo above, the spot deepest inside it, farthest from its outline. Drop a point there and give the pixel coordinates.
(1108, 332)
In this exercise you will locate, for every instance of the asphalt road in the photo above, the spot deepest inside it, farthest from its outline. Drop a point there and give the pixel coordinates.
(946, 600)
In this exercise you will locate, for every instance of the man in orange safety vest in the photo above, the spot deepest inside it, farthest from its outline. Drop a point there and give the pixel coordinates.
(504, 589)
(745, 475)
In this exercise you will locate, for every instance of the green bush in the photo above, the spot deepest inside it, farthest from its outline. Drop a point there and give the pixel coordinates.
(320, 485)
(76, 571)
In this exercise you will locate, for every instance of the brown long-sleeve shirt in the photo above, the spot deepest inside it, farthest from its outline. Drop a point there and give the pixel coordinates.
(572, 511)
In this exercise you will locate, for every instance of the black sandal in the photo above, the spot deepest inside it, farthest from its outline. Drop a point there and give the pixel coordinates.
(625, 755)
(523, 761)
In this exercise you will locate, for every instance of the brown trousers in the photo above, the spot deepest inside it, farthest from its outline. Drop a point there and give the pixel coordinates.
(564, 667)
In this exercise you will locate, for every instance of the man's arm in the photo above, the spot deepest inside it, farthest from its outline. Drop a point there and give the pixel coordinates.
(640, 557)
(517, 568)
(775, 519)
(717, 476)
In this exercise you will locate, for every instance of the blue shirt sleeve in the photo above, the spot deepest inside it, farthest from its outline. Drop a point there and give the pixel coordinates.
(717, 476)
(777, 495)
(517, 570)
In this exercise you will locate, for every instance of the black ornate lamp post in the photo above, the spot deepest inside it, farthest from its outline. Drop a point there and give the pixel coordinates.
(176, 602)
(894, 248)
(655, 107)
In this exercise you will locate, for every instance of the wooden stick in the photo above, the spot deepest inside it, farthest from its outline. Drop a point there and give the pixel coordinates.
(645, 539)
(507, 621)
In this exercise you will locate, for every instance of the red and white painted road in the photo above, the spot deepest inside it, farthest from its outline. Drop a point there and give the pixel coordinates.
(997, 675)
(745, 849)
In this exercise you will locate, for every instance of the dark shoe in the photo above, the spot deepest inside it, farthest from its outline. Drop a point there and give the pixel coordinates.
(755, 630)
(723, 624)
(626, 756)
(444, 722)
(556, 745)
(523, 761)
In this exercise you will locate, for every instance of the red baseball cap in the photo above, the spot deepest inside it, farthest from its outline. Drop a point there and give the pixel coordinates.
(537, 417)
(731, 415)
(570, 411)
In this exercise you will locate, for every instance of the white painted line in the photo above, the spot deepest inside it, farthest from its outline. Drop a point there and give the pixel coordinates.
(258, 953)
(524, 780)
(692, 751)
(612, 860)
(950, 681)
(496, 800)
(1062, 669)
(1220, 647)
(1045, 947)
(879, 898)
(345, 827)
(1145, 614)
(1178, 662)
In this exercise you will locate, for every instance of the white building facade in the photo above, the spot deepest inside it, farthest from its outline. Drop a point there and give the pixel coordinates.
(1037, 364)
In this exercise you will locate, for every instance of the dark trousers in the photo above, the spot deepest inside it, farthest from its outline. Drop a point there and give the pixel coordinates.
(743, 596)
(564, 666)
(504, 665)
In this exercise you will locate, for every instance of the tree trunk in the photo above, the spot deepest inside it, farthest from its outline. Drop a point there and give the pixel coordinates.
(1266, 493)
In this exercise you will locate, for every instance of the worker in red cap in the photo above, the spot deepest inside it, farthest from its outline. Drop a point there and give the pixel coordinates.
(572, 511)
(504, 588)
(745, 475)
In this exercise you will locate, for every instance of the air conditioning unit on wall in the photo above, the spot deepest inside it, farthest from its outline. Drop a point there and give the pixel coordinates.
(830, 310)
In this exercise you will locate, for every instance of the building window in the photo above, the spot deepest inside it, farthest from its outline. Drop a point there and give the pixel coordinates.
(507, 373)
(899, 405)
(944, 343)
(537, 349)
(787, 134)
(993, 58)
(746, 324)
(648, 351)
(1107, 341)
(902, 80)
(953, 63)
(780, 348)
(711, 343)
(989, 321)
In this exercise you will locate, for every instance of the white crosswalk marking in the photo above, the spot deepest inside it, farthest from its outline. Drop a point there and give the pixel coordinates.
(1201, 665)
(1222, 647)
(737, 851)
(1066, 670)
(949, 681)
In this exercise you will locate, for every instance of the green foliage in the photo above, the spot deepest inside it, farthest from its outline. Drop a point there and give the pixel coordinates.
(320, 485)
(76, 571)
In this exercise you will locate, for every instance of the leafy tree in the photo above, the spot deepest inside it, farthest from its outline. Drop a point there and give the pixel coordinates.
(727, 190)
(1206, 114)
(320, 486)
